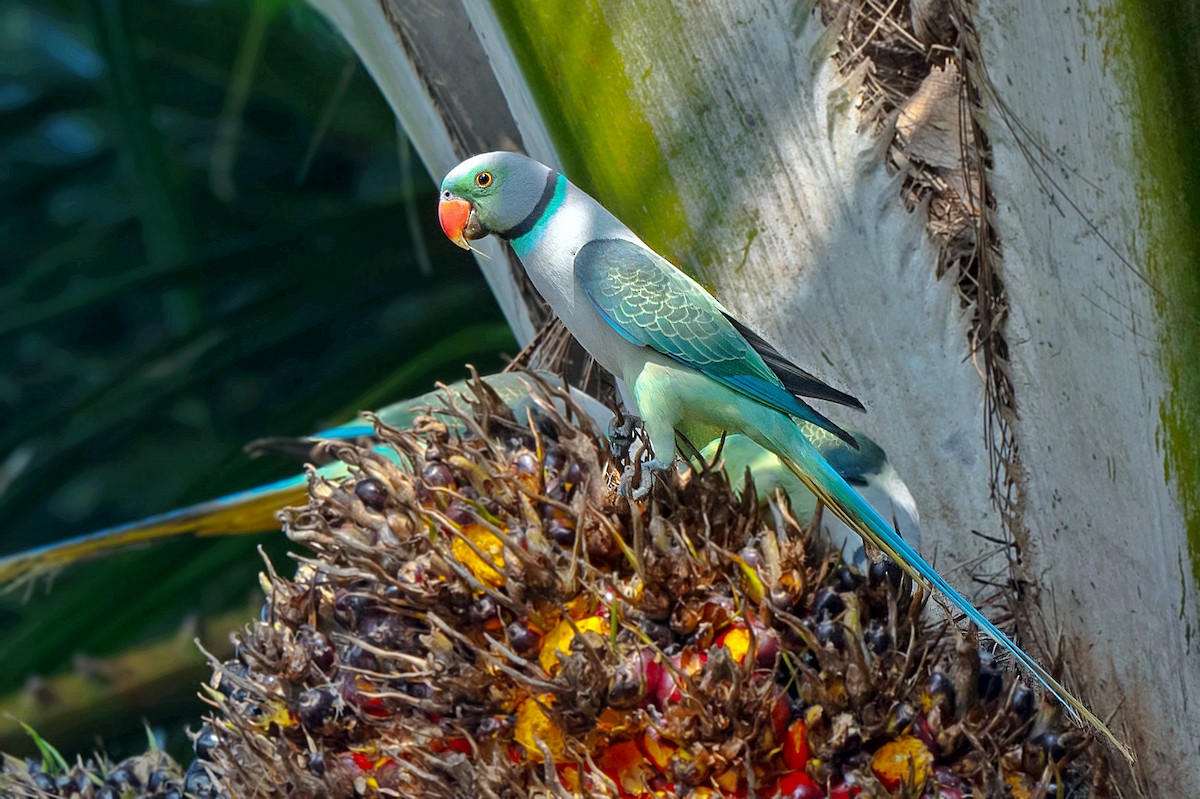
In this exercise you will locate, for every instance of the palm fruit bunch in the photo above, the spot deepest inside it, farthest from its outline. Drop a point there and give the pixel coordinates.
(488, 618)
(153, 775)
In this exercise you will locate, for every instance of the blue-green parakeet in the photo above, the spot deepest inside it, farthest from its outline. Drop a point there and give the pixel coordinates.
(688, 366)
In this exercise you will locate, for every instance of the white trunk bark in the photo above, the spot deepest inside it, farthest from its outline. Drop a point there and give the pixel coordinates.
(1105, 533)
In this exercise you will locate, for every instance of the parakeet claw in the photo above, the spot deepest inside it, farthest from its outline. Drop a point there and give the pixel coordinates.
(621, 435)
(647, 469)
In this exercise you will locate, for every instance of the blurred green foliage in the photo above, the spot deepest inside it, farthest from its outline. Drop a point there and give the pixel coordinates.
(208, 237)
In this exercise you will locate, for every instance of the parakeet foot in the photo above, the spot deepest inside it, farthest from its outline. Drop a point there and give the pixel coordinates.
(622, 432)
(647, 468)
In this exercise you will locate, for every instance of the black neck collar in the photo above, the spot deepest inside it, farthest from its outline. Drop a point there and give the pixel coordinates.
(525, 225)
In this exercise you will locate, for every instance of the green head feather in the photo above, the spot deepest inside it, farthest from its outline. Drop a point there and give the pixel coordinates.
(506, 189)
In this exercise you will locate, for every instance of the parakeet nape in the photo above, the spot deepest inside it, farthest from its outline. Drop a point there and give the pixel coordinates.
(689, 367)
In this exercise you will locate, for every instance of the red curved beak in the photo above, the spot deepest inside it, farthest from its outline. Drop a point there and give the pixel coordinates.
(454, 214)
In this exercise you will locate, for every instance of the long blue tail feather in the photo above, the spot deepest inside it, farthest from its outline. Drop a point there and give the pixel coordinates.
(841, 499)
(249, 511)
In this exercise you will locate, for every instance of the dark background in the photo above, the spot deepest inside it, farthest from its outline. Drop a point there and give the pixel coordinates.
(211, 232)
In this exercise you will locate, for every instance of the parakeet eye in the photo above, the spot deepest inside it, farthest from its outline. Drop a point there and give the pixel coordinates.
(483, 180)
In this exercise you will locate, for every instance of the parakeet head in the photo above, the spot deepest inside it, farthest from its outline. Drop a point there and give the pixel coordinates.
(501, 193)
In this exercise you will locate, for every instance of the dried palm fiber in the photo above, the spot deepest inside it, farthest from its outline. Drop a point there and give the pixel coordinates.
(492, 620)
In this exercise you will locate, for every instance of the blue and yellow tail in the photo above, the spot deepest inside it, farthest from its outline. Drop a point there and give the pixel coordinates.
(251, 511)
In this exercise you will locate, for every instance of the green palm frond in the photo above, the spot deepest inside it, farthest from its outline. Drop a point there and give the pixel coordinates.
(151, 328)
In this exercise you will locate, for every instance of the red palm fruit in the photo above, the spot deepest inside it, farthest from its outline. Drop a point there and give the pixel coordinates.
(844, 790)
(795, 746)
(794, 785)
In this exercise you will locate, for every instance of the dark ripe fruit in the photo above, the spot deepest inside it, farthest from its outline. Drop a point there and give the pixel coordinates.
(1024, 702)
(270, 684)
(45, 782)
(848, 747)
(438, 474)
(940, 688)
(522, 638)
(827, 604)
(845, 579)
(460, 513)
(357, 657)
(877, 638)
(206, 742)
(158, 780)
(885, 569)
(573, 474)
(348, 605)
(902, 718)
(767, 643)
(321, 652)
(350, 687)
(173, 793)
(372, 492)
(197, 782)
(751, 556)
(225, 680)
(315, 763)
(106, 793)
(990, 682)
(527, 463)
(123, 779)
(481, 611)
(316, 707)
(379, 628)
(514, 442)
(1040, 750)
(1054, 745)
(831, 632)
(561, 532)
(781, 598)
(66, 784)
(496, 725)
(553, 459)
(659, 634)
(419, 690)
(949, 785)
